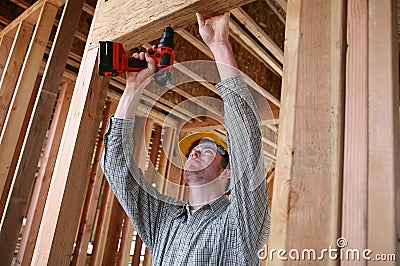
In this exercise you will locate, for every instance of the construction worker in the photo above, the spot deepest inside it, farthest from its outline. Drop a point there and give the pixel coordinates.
(211, 228)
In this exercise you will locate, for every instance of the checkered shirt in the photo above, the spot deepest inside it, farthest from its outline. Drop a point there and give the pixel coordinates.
(223, 232)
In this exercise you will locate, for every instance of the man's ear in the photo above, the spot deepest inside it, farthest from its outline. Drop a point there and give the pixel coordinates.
(226, 174)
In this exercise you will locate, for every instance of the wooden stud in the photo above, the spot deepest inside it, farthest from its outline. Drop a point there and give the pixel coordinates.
(92, 194)
(12, 67)
(147, 258)
(258, 32)
(5, 49)
(5, 200)
(38, 198)
(36, 133)
(137, 251)
(318, 128)
(312, 93)
(113, 234)
(24, 90)
(126, 242)
(72, 166)
(242, 37)
(355, 158)
(383, 128)
(107, 200)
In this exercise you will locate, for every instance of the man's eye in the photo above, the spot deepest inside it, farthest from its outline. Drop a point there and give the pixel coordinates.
(208, 151)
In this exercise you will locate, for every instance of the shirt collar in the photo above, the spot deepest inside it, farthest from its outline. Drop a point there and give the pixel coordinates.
(217, 206)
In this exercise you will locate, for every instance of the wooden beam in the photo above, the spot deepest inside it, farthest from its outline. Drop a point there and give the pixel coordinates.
(259, 33)
(113, 234)
(39, 194)
(383, 128)
(5, 49)
(72, 168)
(312, 92)
(319, 106)
(254, 48)
(24, 176)
(24, 89)
(13, 65)
(107, 201)
(355, 159)
(92, 194)
(30, 15)
(138, 24)
(279, 12)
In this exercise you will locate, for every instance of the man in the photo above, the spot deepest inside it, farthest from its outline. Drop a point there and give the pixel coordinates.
(209, 229)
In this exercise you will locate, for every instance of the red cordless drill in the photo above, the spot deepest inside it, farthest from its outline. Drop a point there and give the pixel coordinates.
(113, 61)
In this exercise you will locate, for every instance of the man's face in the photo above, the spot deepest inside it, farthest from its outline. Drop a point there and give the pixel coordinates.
(203, 165)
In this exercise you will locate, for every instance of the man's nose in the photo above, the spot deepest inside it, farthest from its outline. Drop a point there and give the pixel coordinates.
(195, 153)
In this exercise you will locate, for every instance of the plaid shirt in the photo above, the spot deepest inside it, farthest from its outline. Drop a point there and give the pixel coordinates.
(222, 232)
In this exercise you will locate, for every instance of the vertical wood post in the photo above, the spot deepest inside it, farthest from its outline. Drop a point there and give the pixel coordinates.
(113, 234)
(383, 125)
(103, 222)
(42, 184)
(5, 49)
(309, 160)
(13, 66)
(355, 158)
(69, 181)
(23, 91)
(36, 133)
(92, 194)
(285, 149)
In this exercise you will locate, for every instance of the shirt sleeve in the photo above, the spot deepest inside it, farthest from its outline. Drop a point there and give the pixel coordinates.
(248, 181)
(145, 206)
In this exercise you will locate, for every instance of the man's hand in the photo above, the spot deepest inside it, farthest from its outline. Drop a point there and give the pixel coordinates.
(133, 91)
(135, 79)
(215, 30)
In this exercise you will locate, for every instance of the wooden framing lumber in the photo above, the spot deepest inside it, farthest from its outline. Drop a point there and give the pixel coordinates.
(36, 133)
(383, 128)
(319, 106)
(312, 91)
(5, 48)
(107, 201)
(92, 194)
(113, 234)
(12, 66)
(126, 242)
(72, 168)
(134, 17)
(23, 91)
(258, 32)
(355, 158)
(30, 15)
(137, 251)
(42, 183)
(242, 37)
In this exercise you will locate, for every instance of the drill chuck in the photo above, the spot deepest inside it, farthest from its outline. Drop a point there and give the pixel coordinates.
(167, 38)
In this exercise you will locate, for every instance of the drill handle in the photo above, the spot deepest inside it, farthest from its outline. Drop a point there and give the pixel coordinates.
(135, 65)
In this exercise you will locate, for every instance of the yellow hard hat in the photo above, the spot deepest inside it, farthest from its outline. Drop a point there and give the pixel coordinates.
(187, 143)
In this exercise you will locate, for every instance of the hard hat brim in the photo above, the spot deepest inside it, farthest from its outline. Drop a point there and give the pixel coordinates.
(187, 142)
